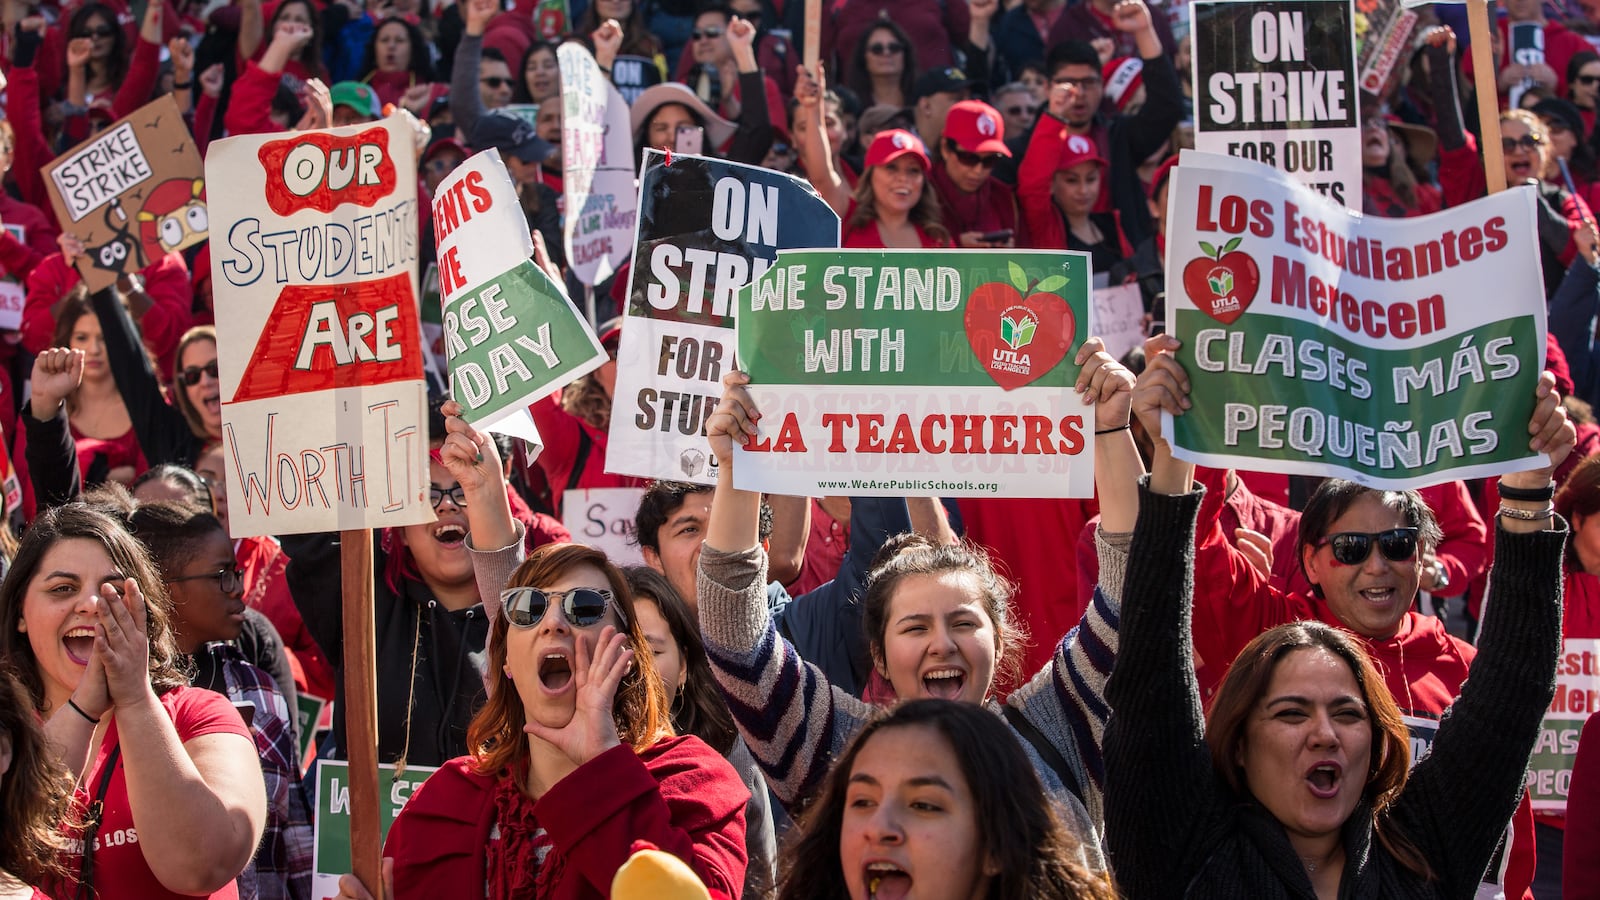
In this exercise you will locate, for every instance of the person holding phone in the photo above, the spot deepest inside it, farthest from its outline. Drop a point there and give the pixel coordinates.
(979, 210)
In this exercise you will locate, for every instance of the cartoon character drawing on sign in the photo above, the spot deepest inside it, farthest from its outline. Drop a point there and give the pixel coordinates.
(112, 255)
(174, 213)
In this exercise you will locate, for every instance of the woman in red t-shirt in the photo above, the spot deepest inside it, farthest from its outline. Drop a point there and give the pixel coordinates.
(892, 205)
(85, 620)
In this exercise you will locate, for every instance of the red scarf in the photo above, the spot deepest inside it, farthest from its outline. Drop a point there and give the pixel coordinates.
(518, 847)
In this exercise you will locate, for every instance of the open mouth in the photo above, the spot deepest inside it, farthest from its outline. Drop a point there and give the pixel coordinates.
(1522, 169)
(945, 684)
(887, 881)
(212, 403)
(1379, 596)
(1324, 780)
(79, 644)
(555, 672)
(450, 535)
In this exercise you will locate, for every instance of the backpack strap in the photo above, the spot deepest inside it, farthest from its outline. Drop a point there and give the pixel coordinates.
(1046, 750)
(91, 825)
(580, 459)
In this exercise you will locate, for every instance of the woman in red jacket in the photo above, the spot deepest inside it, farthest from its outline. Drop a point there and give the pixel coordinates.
(573, 756)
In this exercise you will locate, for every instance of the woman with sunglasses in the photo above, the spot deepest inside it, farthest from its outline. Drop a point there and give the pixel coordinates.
(1583, 87)
(978, 209)
(573, 757)
(883, 69)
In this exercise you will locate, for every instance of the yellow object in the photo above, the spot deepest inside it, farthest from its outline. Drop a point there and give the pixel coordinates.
(654, 875)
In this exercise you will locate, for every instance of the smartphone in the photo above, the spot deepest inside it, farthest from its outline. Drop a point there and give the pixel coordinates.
(996, 237)
(691, 139)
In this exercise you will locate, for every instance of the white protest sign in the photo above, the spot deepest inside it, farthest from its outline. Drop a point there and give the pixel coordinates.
(12, 298)
(319, 345)
(1119, 318)
(101, 170)
(597, 168)
(603, 519)
(1275, 82)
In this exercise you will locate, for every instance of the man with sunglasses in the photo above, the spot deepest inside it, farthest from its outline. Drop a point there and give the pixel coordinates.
(979, 209)
(714, 76)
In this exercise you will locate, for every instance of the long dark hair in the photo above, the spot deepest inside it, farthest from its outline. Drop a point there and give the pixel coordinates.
(117, 61)
(699, 709)
(637, 39)
(420, 66)
(310, 55)
(519, 87)
(1019, 834)
(1247, 682)
(860, 82)
(36, 795)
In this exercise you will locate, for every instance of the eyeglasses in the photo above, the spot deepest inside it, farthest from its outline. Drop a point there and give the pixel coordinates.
(190, 376)
(229, 578)
(495, 82)
(1084, 83)
(1587, 80)
(99, 31)
(706, 34)
(888, 49)
(1353, 547)
(582, 607)
(443, 165)
(1529, 142)
(970, 159)
(1023, 110)
(455, 492)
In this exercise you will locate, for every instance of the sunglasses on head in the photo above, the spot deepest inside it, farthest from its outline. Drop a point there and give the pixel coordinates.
(706, 34)
(190, 376)
(1353, 547)
(495, 82)
(970, 159)
(888, 49)
(1528, 142)
(99, 31)
(582, 607)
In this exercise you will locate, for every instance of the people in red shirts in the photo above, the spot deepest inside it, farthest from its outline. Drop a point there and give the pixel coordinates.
(978, 209)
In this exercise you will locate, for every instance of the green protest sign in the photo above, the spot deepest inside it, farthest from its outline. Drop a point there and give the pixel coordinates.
(308, 709)
(331, 853)
(945, 373)
(511, 334)
(1394, 352)
(1577, 696)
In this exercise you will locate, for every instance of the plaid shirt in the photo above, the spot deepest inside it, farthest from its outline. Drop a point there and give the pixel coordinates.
(281, 869)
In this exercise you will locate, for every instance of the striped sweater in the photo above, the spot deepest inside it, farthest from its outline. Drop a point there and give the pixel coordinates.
(796, 723)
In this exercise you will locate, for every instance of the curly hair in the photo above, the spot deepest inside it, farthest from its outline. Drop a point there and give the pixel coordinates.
(420, 66)
(36, 794)
(926, 214)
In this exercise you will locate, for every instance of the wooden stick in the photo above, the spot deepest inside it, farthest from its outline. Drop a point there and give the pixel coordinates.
(1494, 164)
(361, 709)
(813, 35)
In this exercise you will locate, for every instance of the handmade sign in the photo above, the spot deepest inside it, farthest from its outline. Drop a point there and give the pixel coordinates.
(597, 168)
(918, 373)
(603, 519)
(511, 334)
(1119, 318)
(1275, 82)
(706, 228)
(1577, 697)
(319, 345)
(330, 856)
(1395, 352)
(132, 193)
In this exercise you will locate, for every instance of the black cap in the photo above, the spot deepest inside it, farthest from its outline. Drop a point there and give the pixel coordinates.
(511, 136)
(1562, 111)
(938, 81)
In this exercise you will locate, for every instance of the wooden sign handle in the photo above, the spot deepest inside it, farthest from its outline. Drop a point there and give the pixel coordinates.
(1494, 165)
(361, 709)
(813, 35)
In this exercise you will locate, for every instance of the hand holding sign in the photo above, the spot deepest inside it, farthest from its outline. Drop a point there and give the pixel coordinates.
(1163, 386)
(470, 455)
(351, 888)
(734, 420)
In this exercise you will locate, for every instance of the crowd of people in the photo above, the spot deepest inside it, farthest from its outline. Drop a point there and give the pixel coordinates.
(1238, 685)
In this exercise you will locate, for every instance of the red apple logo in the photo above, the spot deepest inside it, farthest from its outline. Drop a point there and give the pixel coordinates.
(1223, 282)
(1019, 331)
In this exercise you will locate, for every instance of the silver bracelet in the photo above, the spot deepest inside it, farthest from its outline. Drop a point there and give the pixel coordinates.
(1528, 515)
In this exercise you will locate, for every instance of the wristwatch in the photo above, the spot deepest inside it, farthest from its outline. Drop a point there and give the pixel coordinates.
(1441, 577)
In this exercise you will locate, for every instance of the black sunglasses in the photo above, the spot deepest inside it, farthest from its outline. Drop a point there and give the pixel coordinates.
(968, 158)
(1527, 142)
(582, 607)
(705, 34)
(495, 82)
(457, 495)
(888, 49)
(229, 578)
(1353, 547)
(190, 376)
(1587, 80)
(99, 31)
(1021, 110)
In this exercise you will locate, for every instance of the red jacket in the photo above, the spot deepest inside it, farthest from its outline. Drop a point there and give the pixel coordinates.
(563, 433)
(166, 281)
(1580, 865)
(1560, 45)
(38, 237)
(679, 794)
(249, 109)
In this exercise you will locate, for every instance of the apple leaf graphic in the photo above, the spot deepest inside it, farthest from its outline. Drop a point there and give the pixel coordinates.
(1051, 283)
(1019, 278)
(1025, 333)
(1232, 245)
(1209, 250)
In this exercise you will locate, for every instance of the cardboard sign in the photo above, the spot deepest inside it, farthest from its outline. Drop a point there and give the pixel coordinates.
(511, 335)
(603, 519)
(1395, 352)
(597, 168)
(319, 345)
(918, 373)
(330, 855)
(1577, 697)
(1275, 82)
(1119, 318)
(706, 228)
(132, 193)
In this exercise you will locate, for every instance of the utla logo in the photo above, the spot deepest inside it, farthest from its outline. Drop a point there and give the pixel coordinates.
(1021, 330)
(1223, 282)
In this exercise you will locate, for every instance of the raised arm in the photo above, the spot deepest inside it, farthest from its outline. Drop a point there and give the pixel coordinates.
(815, 154)
(754, 137)
(494, 536)
(466, 105)
(163, 432)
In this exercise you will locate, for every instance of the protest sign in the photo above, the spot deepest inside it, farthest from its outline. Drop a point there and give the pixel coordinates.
(1395, 352)
(633, 74)
(918, 373)
(597, 168)
(510, 333)
(550, 19)
(132, 193)
(706, 228)
(603, 519)
(1383, 32)
(319, 346)
(1276, 82)
(330, 855)
(1577, 696)
(307, 716)
(1119, 318)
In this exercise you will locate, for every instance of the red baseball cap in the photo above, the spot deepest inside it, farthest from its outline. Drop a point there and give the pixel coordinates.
(976, 127)
(1079, 149)
(888, 146)
(1162, 173)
